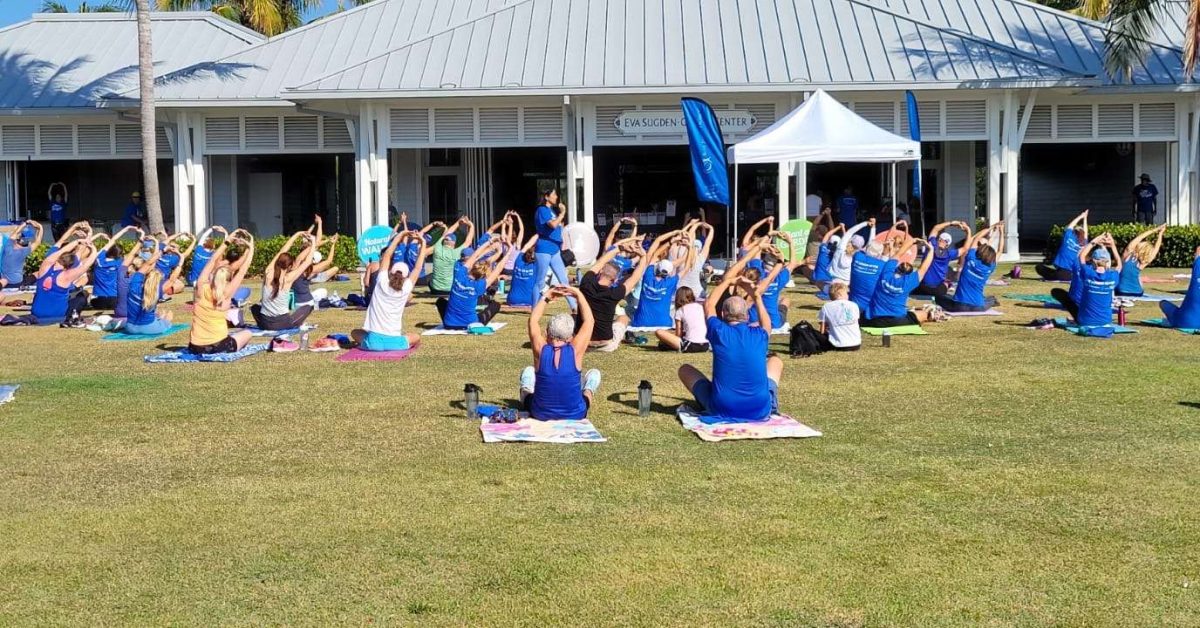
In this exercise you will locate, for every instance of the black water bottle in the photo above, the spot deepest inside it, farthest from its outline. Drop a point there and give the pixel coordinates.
(471, 399)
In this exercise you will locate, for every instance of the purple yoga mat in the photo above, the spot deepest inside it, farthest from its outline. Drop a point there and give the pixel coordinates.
(358, 355)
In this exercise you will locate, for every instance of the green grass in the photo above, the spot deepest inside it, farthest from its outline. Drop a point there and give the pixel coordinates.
(984, 474)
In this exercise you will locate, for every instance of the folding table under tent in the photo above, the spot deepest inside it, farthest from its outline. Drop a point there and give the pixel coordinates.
(822, 130)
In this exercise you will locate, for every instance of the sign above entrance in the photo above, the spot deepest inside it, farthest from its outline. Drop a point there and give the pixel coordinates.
(668, 122)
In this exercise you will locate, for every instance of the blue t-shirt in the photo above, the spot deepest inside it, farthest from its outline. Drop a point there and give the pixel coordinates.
(936, 275)
(1068, 252)
(1096, 307)
(1188, 314)
(739, 382)
(104, 276)
(167, 264)
(138, 311)
(520, 293)
(848, 210)
(58, 212)
(12, 265)
(891, 295)
(408, 253)
(654, 305)
(200, 259)
(972, 279)
(770, 299)
(864, 278)
(1130, 283)
(1075, 291)
(549, 238)
(1146, 195)
(133, 212)
(625, 263)
(824, 255)
(464, 296)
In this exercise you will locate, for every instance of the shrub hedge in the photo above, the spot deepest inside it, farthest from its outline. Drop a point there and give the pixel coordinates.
(1178, 249)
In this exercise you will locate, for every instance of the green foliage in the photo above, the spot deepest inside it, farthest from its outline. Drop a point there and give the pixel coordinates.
(1178, 249)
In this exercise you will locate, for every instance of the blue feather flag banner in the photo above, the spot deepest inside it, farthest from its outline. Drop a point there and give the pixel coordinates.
(707, 147)
(914, 130)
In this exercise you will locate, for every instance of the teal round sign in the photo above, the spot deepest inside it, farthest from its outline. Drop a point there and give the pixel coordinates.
(372, 243)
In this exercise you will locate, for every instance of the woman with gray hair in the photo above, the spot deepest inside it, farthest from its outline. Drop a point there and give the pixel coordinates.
(552, 389)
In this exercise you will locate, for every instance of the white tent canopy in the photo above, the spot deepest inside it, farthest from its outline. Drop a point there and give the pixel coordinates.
(823, 130)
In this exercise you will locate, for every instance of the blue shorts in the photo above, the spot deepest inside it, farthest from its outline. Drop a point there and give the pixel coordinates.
(703, 391)
(384, 342)
(149, 329)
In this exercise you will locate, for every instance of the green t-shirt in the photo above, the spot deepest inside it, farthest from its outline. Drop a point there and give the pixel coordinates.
(444, 258)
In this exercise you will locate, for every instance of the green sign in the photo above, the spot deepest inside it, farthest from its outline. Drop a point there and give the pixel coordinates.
(798, 229)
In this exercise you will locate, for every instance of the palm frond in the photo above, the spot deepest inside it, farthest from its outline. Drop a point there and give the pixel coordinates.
(1092, 9)
(264, 16)
(1126, 41)
(1191, 39)
(50, 6)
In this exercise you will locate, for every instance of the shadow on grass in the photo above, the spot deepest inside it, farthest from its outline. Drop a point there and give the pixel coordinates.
(1195, 405)
(629, 400)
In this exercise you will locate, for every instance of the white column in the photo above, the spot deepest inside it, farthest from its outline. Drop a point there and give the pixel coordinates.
(364, 200)
(785, 194)
(1180, 210)
(182, 173)
(1011, 155)
(201, 212)
(588, 118)
(995, 161)
(382, 135)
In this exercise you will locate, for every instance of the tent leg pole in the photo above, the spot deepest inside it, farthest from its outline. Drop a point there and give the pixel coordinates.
(734, 234)
(895, 196)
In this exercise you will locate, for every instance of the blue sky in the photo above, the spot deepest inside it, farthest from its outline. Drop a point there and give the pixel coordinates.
(13, 11)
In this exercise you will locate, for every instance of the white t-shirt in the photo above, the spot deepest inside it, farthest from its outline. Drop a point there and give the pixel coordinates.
(385, 315)
(812, 205)
(840, 267)
(695, 330)
(691, 278)
(841, 321)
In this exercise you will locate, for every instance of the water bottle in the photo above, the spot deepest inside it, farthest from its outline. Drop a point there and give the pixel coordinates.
(471, 399)
(1016, 272)
(502, 287)
(887, 338)
(645, 396)
(304, 342)
(1121, 316)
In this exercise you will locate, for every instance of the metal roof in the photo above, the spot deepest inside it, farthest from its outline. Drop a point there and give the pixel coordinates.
(694, 45)
(1054, 36)
(71, 60)
(263, 71)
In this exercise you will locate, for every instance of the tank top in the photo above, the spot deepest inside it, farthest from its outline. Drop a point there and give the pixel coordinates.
(50, 303)
(275, 305)
(1130, 283)
(557, 392)
(208, 320)
(301, 289)
(691, 278)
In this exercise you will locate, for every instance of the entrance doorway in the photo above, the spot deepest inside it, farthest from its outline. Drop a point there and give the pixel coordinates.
(266, 203)
(442, 201)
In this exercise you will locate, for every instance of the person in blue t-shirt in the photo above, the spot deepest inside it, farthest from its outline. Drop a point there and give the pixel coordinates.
(772, 285)
(1095, 261)
(135, 212)
(821, 277)
(469, 290)
(974, 269)
(898, 280)
(106, 272)
(864, 276)
(1139, 254)
(204, 251)
(555, 388)
(847, 206)
(1067, 258)
(549, 219)
(521, 289)
(1145, 200)
(1187, 314)
(935, 283)
(745, 381)
(58, 208)
(24, 240)
(659, 282)
(170, 263)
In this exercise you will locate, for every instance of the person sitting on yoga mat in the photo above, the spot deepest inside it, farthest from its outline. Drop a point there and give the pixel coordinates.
(472, 279)
(839, 320)
(521, 290)
(274, 311)
(383, 329)
(1067, 258)
(25, 239)
(864, 276)
(843, 258)
(1139, 254)
(170, 263)
(106, 274)
(828, 248)
(691, 333)
(975, 268)
(934, 284)
(700, 251)
(145, 286)
(1089, 299)
(771, 286)
(207, 244)
(745, 382)
(215, 287)
(604, 289)
(889, 306)
(658, 287)
(57, 299)
(1186, 315)
(447, 254)
(552, 388)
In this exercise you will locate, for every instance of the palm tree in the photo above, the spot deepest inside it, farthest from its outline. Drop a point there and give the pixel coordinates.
(1131, 22)
(53, 6)
(146, 111)
(269, 17)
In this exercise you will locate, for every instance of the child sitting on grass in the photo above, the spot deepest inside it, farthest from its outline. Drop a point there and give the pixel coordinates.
(839, 319)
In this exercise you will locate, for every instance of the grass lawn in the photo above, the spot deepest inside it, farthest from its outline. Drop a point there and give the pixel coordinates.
(984, 474)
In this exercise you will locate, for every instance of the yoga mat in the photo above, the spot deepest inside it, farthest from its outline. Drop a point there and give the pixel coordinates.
(442, 331)
(7, 392)
(1033, 298)
(1157, 280)
(1063, 323)
(997, 282)
(776, 426)
(903, 330)
(272, 333)
(535, 431)
(120, 335)
(361, 355)
(645, 330)
(992, 312)
(1151, 298)
(1162, 323)
(180, 357)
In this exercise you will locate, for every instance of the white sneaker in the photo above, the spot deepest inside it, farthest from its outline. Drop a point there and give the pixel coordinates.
(528, 380)
(591, 381)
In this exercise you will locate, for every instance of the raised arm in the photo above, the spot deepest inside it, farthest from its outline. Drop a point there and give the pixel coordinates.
(37, 235)
(480, 252)
(52, 258)
(422, 253)
(269, 272)
(385, 259)
(586, 323)
(731, 274)
(764, 316)
(839, 228)
(209, 266)
(537, 341)
(749, 235)
(708, 241)
(647, 259)
(928, 261)
(243, 268)
(470, 232)
(520, 224)
(1080, 218)
(303, 262)
(70, 275)
(845, 243)
(612, 234)
(497, 264)
(609, 255)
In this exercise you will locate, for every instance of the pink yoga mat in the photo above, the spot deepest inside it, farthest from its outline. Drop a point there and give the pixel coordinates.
(358, 355)
(985, 313)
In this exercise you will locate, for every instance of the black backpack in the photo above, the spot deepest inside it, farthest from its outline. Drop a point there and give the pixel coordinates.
(806, 341)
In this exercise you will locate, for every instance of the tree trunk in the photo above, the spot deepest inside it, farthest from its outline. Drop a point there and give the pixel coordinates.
(149, 130)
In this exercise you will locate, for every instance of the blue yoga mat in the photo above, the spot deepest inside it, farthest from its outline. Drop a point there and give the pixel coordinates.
(1063, 323)
(1162, 322)
(120, 335)
(180, 357)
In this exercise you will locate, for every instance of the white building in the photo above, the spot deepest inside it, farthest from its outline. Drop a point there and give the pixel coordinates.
(473, 106)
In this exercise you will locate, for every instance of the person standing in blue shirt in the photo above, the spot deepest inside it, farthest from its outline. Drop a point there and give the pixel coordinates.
(135, 212)
(934, 283)
(1145, 200)
(898, 280)
(1067, 258)
(975, 268)
(745, 381)
(1187, 314)
(58, 209)
(847, 205)
(549, 219)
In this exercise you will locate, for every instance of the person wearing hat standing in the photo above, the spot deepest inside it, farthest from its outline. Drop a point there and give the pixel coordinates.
(1145, 200)
(135, 212)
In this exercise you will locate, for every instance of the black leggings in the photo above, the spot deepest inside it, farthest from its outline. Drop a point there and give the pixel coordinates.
(1064, 298)
(291, 320)
(491, 307)
(104, 303)
(950, 305)
(1052, 273)
(939, 290)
